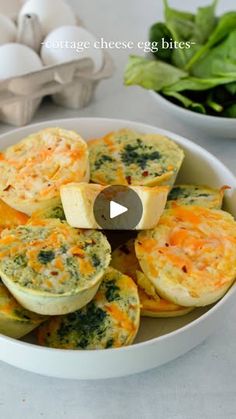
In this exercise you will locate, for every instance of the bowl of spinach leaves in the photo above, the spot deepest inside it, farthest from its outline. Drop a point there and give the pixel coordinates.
(195, 77)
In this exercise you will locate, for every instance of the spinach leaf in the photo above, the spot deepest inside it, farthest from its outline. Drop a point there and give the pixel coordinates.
(211, 103)
(157, 33)
(231, 88)
(179, 22)
(205, 22)
(226, 24)
(186, 102)
(180, 57)
(220, 61)
(201, 77)
(181, 26)
(194, 83)
(185, 26)
(151, 74)
(230, 112)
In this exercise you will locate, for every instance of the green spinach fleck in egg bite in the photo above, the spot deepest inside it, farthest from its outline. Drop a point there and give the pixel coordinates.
(127, 157)
(110, 320)
(202, 196)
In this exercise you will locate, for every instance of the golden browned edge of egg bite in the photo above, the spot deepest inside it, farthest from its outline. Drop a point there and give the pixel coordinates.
(110, 320)
(152, 305)
(190, 257)
(33, 170)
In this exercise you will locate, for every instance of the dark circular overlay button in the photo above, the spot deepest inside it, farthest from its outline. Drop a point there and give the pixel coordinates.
(118, 207)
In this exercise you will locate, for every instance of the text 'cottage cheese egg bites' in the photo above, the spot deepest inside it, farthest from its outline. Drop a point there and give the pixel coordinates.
(51, 268)
(110, 320)
(152, 305)
(32, 171)
(190, 256)
(126, 157)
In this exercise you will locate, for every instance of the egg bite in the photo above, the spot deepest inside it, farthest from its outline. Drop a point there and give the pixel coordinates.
(51, 268)
(53, 210)
(15, 320)
(78, 201)
(199, 195)
(190, 257)
(32, 171)
(110, 320)
(152, 305)
(127, 157)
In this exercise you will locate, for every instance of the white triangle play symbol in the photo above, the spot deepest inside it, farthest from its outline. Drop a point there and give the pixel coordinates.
(116, 209)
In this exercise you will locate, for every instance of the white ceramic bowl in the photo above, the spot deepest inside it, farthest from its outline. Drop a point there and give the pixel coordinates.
(214, 126)
(159, 340)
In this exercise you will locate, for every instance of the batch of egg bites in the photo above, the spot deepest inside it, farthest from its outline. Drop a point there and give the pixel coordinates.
(58, 272)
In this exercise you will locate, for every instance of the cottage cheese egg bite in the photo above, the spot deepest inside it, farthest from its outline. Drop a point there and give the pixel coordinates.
(199, 195)
(127, 157)
(78, 201)
(190, 256)
(110, 320)
(32, 171)
(51, 268)
(152, 305)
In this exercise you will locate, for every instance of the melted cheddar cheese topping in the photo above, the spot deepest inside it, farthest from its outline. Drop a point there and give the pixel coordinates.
(34, 169)
(190, 256)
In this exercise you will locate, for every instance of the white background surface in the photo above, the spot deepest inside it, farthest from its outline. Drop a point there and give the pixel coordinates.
(203, 382)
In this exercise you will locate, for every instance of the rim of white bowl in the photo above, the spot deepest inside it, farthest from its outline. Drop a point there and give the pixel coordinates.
(196, 114)
(167, 336)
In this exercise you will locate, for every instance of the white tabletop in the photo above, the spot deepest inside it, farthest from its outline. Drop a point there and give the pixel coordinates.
(201, 383)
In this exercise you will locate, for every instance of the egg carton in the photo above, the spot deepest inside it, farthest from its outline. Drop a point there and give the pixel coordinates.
(71, 84)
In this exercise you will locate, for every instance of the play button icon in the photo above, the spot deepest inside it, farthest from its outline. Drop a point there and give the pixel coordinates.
(118, 207)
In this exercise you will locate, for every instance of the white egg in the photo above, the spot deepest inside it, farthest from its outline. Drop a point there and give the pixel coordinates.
(67, 43)
(7, 30)
(17, 59)
(51, 13)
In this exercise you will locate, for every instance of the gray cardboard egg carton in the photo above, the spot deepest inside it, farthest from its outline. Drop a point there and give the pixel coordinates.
(70, 84)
